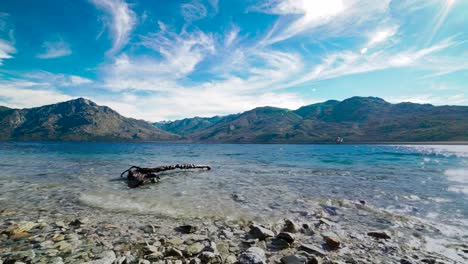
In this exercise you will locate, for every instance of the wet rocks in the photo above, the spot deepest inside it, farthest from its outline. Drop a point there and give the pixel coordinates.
(332, 241)
(309, 248)
(379, 234)
(187, 229)
(238, 198)
(21, 229)
(288, 237)
(260, 232)
(252, 255)
(290, 226)
(294, 259)
(194, 249)
(107, 257)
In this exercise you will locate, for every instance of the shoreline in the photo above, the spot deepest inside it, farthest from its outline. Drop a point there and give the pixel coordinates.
(386, 143)
(319, 236)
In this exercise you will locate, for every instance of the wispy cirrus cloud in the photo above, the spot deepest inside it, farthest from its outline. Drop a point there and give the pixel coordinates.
(193, 11)
(6, 51)
(348, 62)
(119, 18)
(301, 16)
(55, 49)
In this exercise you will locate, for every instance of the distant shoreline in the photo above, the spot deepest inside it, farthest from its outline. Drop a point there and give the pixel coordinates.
(435, 143)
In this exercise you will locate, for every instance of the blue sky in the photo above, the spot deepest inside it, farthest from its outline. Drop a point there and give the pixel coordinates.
(168, 59)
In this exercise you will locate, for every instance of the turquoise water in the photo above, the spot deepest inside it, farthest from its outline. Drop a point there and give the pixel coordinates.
(428, 182)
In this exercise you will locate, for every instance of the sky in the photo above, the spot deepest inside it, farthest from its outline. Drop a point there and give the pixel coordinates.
(170, 59)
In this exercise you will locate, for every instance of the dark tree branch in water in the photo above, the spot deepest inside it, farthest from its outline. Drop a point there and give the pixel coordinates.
(138, 176)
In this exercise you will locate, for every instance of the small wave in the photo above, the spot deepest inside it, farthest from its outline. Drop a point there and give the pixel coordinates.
(460, 151)
(457, 175)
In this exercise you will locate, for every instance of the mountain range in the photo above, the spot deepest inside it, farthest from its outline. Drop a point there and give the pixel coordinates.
(75, 120)
(357, 119)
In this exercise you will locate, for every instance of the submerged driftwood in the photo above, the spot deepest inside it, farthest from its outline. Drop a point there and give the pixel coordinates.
(138, 176)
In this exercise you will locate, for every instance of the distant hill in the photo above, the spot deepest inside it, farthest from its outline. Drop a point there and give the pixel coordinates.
(76, 120)
(357, 119)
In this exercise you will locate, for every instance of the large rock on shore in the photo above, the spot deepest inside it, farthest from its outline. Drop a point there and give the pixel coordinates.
(260, 232)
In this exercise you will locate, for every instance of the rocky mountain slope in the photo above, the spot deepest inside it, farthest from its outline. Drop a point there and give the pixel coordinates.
(77, 120)
(357, 119)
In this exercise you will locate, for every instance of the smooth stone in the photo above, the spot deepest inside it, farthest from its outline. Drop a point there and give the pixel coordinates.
(195, 261)
(288, 237)
(58, 238)
(207, 257)
(332, 240)
(379, 234)
(260, 232)
(227, 234)
(238, 198)
(312, 250)
(174, 252)
(231, 259)
(323, 221)
(60, 224)
(294, 259)
(151, 249)
(290, 226)
(57, 260)
(253, 255)
(278, 244)
(106, 257)
(20, 228)
(175, 241)
(194, 249)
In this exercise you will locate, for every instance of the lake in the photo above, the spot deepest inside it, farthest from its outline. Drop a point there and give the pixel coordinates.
(429, 183)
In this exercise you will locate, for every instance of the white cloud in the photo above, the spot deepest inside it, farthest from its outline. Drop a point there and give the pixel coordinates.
(193, 11)
(381, 35)
(121, 20)
(337, 16)
(22, 95)
(180, 54)
(450, 99)
(231, 36)
(344, 63)
(48, 79)
(6, 51)
(78, 80)
(55, 49)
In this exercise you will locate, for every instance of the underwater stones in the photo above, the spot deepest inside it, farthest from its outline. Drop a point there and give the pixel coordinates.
(290, 226)
(288, 237)
(312, 250)
(238, 198)
(260, 232)
(252, 255)
(79, 222)
(379, 234)
(294, 259)
(20, 229)
(332, 241)
(106, 257)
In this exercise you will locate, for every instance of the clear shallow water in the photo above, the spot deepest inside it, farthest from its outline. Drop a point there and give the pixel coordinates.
(428, 182)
